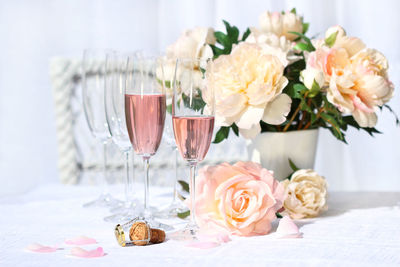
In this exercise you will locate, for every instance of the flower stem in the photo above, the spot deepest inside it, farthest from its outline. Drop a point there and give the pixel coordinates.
(292, 118)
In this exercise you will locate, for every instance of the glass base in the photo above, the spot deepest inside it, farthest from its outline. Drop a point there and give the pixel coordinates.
(125, 206)
(154, 223)
(125, 213)
(103, 201)
(120, 217)
(188, 234)
(172, 211)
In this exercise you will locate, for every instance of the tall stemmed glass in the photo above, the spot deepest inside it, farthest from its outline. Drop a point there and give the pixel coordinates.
(145, 107)
(193, 122)
(114, 102)
(93, 81)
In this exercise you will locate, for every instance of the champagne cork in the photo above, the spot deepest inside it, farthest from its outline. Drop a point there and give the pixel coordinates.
(141, 231)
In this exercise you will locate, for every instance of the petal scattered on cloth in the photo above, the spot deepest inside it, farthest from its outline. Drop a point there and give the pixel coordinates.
(82, 253)
(206, 241)
(288, 229)
(80, 240)
(35, 247)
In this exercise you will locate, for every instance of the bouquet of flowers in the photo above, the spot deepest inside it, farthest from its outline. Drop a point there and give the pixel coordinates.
(275, 78)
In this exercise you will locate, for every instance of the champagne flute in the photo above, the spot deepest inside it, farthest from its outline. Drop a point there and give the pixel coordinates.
(93, 83)
(145, 108)
(115, 114)
(193, 123)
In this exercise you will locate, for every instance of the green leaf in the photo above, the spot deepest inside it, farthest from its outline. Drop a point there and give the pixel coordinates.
(184, 214)
(196, 103)
(278, 215)
(246, 34)
(232, 32)
(315, 89)
(293, 166)
(306, 39)
(222, 38)
(302, 47)
(222, 134)
(335, 128)
(293, 10)
(305, 27)
(169, 108)
(217, 51)
(304, 106)
(330, 41)
(185, 186)
(235, 129)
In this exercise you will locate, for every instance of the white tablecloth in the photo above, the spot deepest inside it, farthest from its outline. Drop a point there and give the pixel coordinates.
(360, 229)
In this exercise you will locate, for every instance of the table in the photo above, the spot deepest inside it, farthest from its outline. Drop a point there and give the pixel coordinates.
(359, 229)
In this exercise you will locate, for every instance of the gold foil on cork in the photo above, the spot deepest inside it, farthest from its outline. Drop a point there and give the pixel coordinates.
(122, 234)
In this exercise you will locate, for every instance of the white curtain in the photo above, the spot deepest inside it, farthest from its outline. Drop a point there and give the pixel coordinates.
(31, 32)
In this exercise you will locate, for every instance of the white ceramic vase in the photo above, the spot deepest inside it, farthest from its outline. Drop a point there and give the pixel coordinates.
(273, 149)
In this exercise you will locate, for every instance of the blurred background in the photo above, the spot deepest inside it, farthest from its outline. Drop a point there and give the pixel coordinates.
(34, 31)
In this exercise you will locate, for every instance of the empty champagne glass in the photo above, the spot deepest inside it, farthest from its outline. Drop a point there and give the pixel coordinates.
(193, 123)
(145, 108)
(93, 82)
(114, 102)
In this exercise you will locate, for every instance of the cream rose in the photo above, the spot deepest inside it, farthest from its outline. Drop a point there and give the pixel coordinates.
(306, 194)
(241, 198)
(281, 24)
(248, 88)
(355, 76)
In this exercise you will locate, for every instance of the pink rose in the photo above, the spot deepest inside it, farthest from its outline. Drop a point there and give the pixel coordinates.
(241, 198)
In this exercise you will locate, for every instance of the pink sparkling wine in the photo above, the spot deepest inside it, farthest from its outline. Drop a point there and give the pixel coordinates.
(193, 136)
(145, 116)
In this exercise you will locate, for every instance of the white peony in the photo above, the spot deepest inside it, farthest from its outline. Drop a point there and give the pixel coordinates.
(274, 45)
(248, 88)
(193, 43)
(309, 75)
(281, 24)
(306, 194)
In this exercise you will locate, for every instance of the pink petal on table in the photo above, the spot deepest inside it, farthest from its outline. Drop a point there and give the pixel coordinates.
(35, 247)
(82, 253)
(288, 229)
(203, 244)
(80, 240)
(209, 241)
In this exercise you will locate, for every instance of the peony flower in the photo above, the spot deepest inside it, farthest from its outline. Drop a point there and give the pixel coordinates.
(193, 43)
(248, 88)
(355, 76)
(274, 45)
(306, 194)
(241, 198)
(281, 24)
(309, 75)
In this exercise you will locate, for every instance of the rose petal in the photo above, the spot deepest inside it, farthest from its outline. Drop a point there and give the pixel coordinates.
(82, 253)
(288, 229)
(80, 240)
(35, 247)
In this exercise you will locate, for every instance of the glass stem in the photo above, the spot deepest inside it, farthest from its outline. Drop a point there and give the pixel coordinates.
(105, 170)
(175, 199)
(128, 182)
(146, 185)
(193, 193)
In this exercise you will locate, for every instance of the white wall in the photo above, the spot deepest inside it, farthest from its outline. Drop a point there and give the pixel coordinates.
(31, 32)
